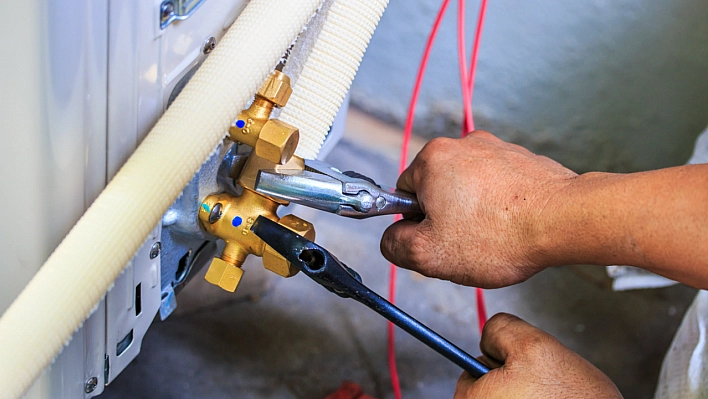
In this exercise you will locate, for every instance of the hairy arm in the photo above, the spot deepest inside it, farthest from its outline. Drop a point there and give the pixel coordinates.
(495, 214)
(655, 220)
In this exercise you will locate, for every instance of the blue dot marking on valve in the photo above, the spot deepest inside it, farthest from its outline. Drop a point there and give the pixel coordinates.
(236, 221)
(240, 123)
(205, 207)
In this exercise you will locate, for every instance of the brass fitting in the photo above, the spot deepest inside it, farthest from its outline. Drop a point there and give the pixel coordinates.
(272, 139)
(277, 141)
(273, 261)
(229, 217)
(276, 89)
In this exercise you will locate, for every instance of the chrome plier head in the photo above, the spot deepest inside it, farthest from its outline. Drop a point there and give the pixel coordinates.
(324, 187)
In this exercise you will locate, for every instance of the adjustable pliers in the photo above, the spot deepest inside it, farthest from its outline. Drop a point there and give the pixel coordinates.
(323, 267)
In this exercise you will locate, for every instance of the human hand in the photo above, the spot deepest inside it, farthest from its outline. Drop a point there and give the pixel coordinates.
(533, 365)
(483, 201)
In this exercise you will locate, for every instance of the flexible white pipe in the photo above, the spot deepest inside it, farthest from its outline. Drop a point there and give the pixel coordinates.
(77, 275)
(329, 70)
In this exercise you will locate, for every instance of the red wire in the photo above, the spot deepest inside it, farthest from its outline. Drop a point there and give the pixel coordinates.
(468, 126)
(462, 60)
(407, 131)
(467, 84)
(475, 55)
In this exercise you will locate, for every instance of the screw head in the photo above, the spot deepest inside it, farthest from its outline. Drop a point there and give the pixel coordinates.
(216, 213)
(209, 45)
(91, 385)
(166, 10)
(155, 250)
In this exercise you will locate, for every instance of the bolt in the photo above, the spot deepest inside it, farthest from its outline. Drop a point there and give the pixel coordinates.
(155, 250)
(209, 45)
(91, 384)
(167, 8)
(216, 213)
(380, 203)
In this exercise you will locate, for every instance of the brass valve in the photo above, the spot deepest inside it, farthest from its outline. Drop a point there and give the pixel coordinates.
(272, 139)
(230, 217)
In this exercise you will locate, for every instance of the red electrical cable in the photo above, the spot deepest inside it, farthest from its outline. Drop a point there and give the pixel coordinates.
(407, 131)
(475, 56)
(462, 60)
(468, 124)
(467, 84)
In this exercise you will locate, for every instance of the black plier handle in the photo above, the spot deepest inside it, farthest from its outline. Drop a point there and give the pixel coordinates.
(323, 267)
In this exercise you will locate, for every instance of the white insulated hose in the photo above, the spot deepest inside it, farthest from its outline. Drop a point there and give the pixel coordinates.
(329, 70)
(77, 275)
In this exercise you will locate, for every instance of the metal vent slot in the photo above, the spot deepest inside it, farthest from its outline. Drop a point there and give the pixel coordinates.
(138, 299)
(124, 343)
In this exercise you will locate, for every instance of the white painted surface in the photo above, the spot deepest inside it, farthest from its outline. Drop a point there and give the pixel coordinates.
(53, 113)
(597, 84)
(52, 156)
(77, 94)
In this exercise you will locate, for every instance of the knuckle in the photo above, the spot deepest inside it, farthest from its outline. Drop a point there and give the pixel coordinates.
(498, 323)
(436, 146)
(419, 250)
(531, 344)
(482, 134)
(436, 153)
(535, 348)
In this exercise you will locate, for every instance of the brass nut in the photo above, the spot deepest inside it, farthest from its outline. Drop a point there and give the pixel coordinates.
(273, 261)
(277, 264)
(300, 226)
(277, 141)
(276, 89)
(224, 274)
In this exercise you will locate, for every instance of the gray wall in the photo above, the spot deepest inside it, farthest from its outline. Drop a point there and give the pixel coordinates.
(619, 85)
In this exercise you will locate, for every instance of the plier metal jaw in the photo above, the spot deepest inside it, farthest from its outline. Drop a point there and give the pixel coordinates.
(324, 187)
(325, 269)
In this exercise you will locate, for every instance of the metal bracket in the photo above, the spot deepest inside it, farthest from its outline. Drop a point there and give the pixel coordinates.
(177, 10)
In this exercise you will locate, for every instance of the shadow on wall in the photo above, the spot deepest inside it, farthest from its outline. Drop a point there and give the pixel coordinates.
(597, 85)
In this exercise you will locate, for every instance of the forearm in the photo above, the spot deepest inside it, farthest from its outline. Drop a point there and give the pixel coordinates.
(655, 220)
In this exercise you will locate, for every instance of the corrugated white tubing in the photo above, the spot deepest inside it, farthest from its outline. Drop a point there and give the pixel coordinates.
(329, 70)
(77, 275)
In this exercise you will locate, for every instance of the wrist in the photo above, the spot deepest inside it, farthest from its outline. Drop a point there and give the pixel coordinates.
(569, 226)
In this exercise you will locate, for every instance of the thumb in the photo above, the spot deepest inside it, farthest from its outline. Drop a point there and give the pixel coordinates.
(399, 243)
(505, 335)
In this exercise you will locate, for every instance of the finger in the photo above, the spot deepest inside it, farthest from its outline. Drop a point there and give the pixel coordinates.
(405, 180)
(505, 335)
(410, 179)
(400, 242)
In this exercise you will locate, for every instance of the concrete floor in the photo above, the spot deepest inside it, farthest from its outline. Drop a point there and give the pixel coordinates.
(290, 338)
